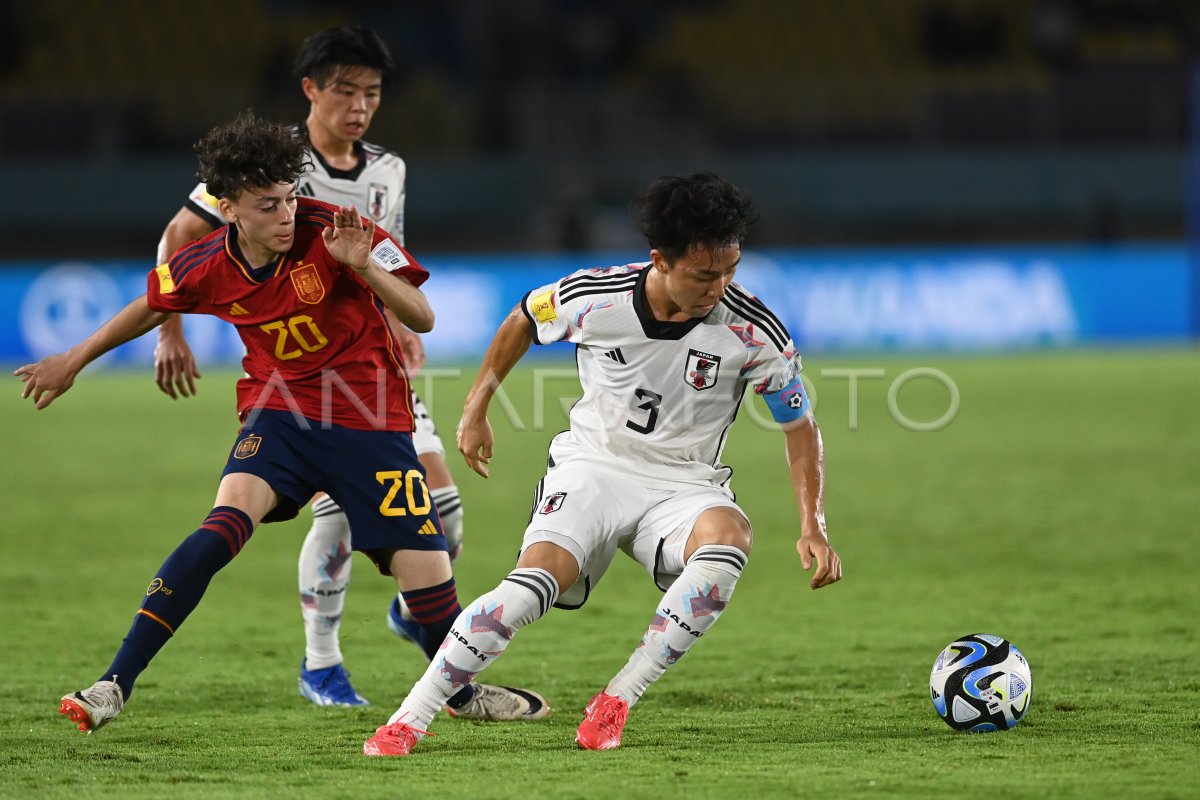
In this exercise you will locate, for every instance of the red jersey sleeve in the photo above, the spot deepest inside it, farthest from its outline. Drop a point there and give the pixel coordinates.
(163, 294)
(173, 286)
(396, 260)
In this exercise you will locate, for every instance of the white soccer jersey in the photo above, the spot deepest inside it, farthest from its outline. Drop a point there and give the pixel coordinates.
(658, 397)
(375, 187)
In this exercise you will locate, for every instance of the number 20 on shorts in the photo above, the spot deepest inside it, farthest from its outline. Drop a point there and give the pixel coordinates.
(413, 483)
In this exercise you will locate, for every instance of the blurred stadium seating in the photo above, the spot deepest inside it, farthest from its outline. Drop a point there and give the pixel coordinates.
(530, 123)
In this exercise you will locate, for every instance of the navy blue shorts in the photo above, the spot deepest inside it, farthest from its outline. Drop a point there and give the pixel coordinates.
(374, 476)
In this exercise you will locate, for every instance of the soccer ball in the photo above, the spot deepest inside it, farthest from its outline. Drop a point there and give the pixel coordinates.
(981, 683)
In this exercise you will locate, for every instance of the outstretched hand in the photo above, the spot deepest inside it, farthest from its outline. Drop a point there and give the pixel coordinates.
(829, 566)
(46, 380)
(348, 241)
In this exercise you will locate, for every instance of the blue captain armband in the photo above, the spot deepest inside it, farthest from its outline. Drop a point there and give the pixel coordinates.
(790, 403)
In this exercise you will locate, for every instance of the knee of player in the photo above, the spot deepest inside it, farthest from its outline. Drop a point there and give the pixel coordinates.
(560, 563)
(741, 537)
(722, 526)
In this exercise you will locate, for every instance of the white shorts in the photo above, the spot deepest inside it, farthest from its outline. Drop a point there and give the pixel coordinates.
(591, 513)
(425, 435)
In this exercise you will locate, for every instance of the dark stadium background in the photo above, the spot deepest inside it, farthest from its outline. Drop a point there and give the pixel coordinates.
(529, 124)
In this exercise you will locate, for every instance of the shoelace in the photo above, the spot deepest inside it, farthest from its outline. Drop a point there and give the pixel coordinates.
(101, 697)
(607, 717)
(410, 727)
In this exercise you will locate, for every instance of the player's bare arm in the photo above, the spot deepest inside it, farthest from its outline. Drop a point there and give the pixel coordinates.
(806, 463)
(185, 227)
(350, 243)
(49, 378)
(511, 342)
(175, 369)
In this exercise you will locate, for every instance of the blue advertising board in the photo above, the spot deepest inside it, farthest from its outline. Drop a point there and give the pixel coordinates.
(972, 299)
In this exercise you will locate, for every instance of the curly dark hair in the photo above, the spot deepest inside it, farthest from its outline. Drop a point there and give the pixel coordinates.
(679, 212)
(250, 153)
(324, 54)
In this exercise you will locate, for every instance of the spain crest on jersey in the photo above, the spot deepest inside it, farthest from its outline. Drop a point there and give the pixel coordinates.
(700, 371)
(377, 200)
(307, 283)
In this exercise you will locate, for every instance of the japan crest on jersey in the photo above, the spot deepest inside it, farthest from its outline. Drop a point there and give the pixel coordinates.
(701, 369)
(377, 200)
(307, 283)
(552, 503)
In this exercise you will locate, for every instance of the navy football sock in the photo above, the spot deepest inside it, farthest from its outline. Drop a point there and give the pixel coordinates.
(177, 589)
(434, 609)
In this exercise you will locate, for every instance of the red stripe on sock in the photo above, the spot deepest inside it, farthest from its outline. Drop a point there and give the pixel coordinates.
(427, 617)
(238, 525)
(234, 547)
(434, 612)
(433, 604)
(418, 600)
(451, 612)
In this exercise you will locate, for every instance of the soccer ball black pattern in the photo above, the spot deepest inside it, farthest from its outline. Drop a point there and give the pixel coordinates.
(981, 683)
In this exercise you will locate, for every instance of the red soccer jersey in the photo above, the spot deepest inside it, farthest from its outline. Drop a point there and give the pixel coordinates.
(317, 341)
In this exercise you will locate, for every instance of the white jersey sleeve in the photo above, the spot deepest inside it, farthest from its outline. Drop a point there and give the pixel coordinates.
(773, 365)
(396, 224)
(204, 205)
(559, 311)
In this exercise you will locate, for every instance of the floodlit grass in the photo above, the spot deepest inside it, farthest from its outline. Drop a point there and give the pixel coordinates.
(1058, 508)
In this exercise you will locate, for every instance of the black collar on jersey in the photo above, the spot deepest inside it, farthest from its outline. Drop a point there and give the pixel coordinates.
(255, 274)
(334, 172)
(657, 328)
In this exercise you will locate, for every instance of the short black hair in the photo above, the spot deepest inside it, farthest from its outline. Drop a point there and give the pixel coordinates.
(323, 54)
(250, 153)
(679, 212)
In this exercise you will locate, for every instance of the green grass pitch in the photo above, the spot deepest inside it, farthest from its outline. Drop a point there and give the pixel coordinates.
(1058, 508)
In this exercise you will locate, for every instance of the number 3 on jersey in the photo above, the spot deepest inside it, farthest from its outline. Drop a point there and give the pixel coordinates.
(652, 400)
(412, 482)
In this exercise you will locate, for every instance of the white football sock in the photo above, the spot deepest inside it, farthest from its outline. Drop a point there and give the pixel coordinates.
(325, 561)
(450, 511)
(689, 607)
(477, 638)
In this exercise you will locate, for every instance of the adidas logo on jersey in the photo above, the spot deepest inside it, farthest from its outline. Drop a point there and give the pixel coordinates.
(236, 310)
(616, 356)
